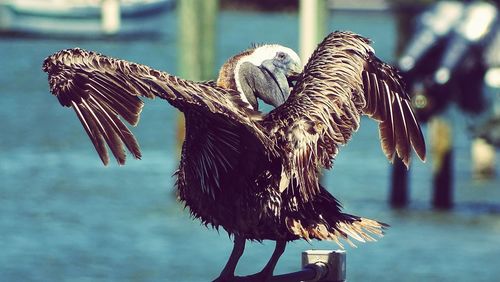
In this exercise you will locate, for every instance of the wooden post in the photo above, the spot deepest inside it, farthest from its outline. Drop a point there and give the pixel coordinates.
(110, 16)
(398, 197)
(334, 262)
(317, 265)
(197, 20)
(313, 19)
(313, 16)
(207, 45)
(406, 12)
(442, 152)
(483, 159)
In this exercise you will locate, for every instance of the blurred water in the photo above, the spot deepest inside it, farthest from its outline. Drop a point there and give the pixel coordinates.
(64, 217)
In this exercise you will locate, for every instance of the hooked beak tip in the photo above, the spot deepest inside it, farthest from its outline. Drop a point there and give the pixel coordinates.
(292, 77)
(294, 72)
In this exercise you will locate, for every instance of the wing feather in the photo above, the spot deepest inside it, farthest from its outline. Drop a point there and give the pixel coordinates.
(103, 91)
(92, 131)
(342, 80)
(119, 130)
(399, 116)
(402, 141)
(414, 130)
(386, 127)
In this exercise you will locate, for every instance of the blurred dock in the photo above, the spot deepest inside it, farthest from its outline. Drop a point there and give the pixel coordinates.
(444, 64)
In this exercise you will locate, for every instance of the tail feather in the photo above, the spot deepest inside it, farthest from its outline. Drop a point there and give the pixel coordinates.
(323, 220)
(361, 229)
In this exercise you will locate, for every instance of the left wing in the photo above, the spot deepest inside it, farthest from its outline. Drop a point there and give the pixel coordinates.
(342, 80)
(102, 91)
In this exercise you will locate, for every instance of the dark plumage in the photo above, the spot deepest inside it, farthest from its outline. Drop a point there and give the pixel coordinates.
(254, 174)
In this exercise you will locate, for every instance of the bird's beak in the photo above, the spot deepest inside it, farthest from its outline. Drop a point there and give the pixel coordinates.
(282, 85)
(279, 89)
(293, 73)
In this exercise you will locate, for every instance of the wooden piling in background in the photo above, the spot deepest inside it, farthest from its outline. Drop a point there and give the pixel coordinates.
(398, 196)
(442, 152)
(110, 16)
(313, 22)
(197, 28)
(313, 19)
(197, 22)
(482, 159)
(208, 21)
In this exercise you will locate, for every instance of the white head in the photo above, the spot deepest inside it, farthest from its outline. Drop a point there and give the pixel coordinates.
(275, 67)
(270, 52)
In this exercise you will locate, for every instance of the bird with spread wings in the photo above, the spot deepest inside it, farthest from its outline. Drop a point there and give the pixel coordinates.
(254, 174)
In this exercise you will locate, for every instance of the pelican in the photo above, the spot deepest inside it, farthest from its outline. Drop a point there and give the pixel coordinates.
(254, 174)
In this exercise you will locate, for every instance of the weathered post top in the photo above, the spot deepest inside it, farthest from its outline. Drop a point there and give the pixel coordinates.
(330, 266)
(317, 266)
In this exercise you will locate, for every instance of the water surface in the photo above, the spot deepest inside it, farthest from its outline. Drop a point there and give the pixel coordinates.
(65, 217)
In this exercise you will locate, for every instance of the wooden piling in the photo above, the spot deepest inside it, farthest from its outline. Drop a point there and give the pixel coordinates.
(398, 197)
(197, 20)
(399, 194)
(483, 159)
(197, 24)
(208, 23)
(442, 152)
(313, 17)
(313, 20)
(110, 16)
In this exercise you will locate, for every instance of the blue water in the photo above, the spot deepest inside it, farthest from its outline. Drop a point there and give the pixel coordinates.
(65, 217)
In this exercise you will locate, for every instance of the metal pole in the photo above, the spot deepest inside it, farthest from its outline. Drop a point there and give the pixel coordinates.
(306, 274)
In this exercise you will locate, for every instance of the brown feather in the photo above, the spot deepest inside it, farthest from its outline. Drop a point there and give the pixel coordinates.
(402, 140)
(341, 80)
(256, 176)
(92, 131)
(104, 89)
(414, 131)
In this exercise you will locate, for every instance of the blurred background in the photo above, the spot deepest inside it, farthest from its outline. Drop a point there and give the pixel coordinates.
(65, 217)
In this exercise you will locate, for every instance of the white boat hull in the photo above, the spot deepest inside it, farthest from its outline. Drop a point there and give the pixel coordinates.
(79, 19)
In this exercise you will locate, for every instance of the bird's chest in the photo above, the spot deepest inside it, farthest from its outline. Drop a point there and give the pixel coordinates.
(215, 206)
(208, 185)
(221, 176)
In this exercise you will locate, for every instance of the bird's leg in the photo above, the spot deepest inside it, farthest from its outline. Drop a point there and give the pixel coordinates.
(267, 272)
(227, 273)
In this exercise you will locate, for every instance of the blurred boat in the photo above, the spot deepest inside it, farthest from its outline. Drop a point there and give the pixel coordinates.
(80, 17)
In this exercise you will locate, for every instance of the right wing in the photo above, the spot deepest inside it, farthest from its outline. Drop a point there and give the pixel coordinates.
(341, 81)
(101, 90)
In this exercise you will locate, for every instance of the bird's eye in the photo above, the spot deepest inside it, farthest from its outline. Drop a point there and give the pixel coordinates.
(281, 55)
